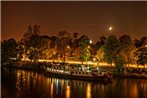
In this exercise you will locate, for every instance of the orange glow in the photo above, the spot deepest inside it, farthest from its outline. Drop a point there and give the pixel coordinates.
(68, 91)
(110, 28)
(78, 62)
(68, 47)
(51, 90)
(88, 91)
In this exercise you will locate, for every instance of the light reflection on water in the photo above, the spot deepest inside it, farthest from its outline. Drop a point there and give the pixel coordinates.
(88, 91)
(67, 91)
(26, 84)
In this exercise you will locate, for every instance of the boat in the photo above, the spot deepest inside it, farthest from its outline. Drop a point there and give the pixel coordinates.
(77, 71)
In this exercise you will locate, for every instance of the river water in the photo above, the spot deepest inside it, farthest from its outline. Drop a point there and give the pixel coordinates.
(27, 84)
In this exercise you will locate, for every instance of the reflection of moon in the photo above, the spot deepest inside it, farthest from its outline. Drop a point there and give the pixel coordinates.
(110, 28)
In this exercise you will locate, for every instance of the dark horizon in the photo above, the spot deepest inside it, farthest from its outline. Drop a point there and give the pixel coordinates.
(89, 18)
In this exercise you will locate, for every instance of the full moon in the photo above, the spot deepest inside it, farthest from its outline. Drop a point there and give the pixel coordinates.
(110, 28)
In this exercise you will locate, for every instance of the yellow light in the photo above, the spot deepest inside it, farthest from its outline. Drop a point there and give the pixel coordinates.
(90, 41)
(68, 47)
(110, 28)
(88, 91)
(51, 90)
(94, 59)
(68, 91)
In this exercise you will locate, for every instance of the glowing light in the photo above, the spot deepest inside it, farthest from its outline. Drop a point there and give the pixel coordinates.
(94, 59)
(68, 47)
(88, 91)
(90, 41)
(51, 90)
(68, 91)
(57, 82)
(110, 28)
(97, 68)
(78, 62)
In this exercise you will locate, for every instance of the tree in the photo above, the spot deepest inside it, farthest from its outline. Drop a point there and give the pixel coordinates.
(84, 55)
(141, 42)
(137, 43)
(64, 40)
(126, 47)
(44, 47)
(32, 42)
(142, 56)
(119, 63)
(74, 44)
(84, 52)
(8, 50)
(101, 42)
(20, 51)
(110, 48)
(100, 54)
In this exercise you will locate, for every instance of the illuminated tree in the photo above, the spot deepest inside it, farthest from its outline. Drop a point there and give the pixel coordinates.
(100, 54)
(20, 51)
(84, 55)
(119, 63)
(110, 48)
(33, 43)
(142, 56)
(126, 47)
(84, 52)
(64, 40)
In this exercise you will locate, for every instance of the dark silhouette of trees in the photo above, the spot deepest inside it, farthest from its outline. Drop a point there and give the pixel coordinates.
(110, 48)
(142, 56)
(100, 43)
(141, 42)
(64, 40)
(74, 44)
(31, 42)
(65, 46)
(8, 50)
(83, 45)
(126, 46)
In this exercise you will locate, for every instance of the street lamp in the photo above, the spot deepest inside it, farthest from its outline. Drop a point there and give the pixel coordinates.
(68, 47)
(90, 41)
(94, 59)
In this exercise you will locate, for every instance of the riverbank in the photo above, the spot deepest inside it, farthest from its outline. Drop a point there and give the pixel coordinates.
(26, 66)
(39, 68)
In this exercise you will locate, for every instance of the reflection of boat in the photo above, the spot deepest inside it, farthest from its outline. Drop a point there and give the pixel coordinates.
(82, 72)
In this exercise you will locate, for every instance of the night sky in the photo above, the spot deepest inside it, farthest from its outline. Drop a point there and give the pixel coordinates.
(89, 18)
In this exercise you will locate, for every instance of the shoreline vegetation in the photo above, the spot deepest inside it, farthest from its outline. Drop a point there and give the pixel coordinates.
(120, 51)
(134, 73)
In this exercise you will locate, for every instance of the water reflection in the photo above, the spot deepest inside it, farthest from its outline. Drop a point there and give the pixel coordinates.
(51, 90)
(88, 91)
(67, 91)
(26, 84)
